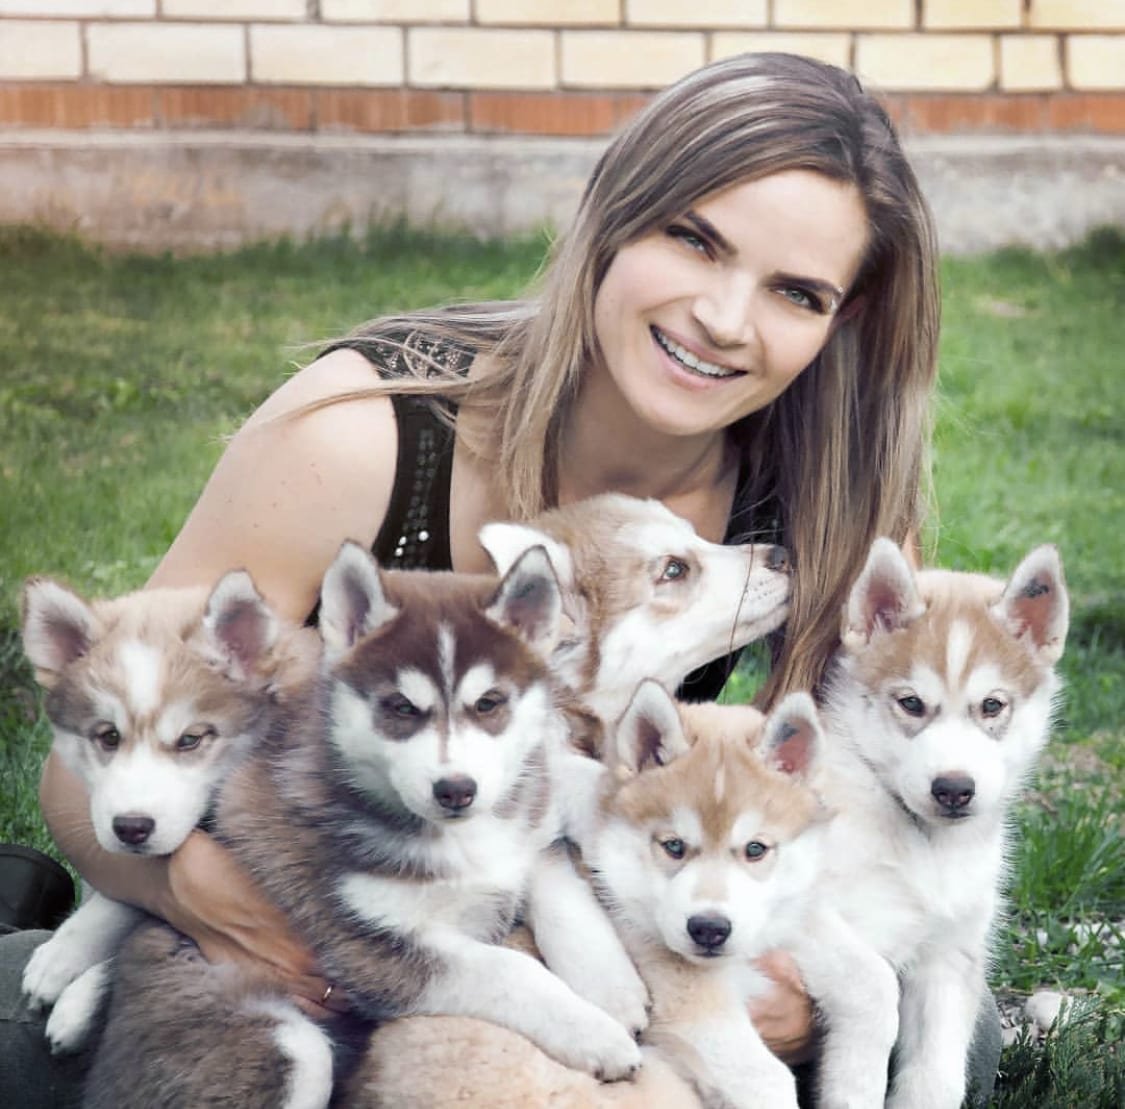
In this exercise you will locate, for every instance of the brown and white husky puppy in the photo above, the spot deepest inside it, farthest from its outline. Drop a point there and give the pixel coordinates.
(644, 595)
(153, 698)
(940, 701)
(706, 854)
(398, 820)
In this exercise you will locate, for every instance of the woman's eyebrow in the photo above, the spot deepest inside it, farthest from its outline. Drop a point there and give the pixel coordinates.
(721, 244)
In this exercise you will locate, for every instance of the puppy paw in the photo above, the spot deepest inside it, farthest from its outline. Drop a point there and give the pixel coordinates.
(51, 968)
(73, 1015)
(604, 1049)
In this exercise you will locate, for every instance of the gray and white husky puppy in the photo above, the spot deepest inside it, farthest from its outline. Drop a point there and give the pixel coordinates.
(398, 820)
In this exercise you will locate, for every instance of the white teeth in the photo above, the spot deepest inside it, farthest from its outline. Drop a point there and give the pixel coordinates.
(686, 358)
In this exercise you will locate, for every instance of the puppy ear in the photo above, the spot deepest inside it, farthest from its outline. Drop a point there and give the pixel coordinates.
(58, 628)
(650, 732)
(528, 602)
(884, 596)
(352, 601)
(1035, 606)
(239, 625)
(792, 738)
(506, 542)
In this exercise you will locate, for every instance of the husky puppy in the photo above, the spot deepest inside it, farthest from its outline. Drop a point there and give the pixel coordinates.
(398, 820)
(152, 697)
(645, 596)
(706, 852)
(940, 701)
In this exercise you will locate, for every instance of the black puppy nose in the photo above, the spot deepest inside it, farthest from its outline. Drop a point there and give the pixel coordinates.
(133, 830)
(778, 559)
(709, 930)
(455, 792)
(954, 791)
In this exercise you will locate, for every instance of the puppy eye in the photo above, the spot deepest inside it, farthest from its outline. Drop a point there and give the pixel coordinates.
(107, 737)
(756, 850)
(189, 741)
(490, 702)
(991, 706)
(912, 705)
(673, 847)
(398, 705)
(674, 569)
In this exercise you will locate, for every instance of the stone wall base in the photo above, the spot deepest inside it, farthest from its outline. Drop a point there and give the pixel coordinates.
(210, 190)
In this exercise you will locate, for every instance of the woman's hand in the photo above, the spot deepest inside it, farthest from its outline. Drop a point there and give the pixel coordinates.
(783, 1015)
(215, 902)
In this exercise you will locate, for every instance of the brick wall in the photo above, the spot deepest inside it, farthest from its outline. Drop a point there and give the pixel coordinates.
(538, 67)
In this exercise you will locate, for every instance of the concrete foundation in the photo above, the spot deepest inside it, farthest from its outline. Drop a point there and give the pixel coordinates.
(199, 190)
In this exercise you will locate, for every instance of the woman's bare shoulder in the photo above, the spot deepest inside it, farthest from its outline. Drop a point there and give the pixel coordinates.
(313, 466)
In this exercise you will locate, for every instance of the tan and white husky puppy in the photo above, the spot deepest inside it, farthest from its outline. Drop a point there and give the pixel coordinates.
(940, 702)
(152, 697)
(706, 853)
(644, 595)
(398, 819)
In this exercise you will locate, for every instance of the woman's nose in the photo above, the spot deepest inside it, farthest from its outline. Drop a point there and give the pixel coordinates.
(725, 311)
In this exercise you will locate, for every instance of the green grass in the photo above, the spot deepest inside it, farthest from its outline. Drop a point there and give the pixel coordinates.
(122, 374)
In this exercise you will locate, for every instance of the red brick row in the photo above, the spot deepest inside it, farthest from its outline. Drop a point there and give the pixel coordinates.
(373, 111)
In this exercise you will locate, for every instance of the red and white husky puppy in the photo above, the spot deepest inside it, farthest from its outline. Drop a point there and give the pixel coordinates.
(940, 702)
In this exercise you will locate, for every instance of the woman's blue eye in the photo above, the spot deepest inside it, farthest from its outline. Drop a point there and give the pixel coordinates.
(689, 238)
(802, 298)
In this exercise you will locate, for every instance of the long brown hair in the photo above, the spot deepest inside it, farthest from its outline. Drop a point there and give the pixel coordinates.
(841, 456)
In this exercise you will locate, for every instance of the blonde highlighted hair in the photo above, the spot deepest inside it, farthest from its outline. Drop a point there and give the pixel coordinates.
(838, 458)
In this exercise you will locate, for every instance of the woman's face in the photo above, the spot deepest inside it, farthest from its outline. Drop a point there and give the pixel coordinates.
(709, 318)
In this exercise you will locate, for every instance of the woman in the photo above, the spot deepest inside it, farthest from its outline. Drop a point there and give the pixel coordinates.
(742, 322)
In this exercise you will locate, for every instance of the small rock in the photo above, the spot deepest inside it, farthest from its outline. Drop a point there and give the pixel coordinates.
(1043, 1008)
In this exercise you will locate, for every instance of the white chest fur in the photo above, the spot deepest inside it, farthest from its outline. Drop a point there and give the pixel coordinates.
(486, 866)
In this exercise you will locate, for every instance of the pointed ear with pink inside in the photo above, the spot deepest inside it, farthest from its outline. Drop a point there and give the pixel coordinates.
(884, 597)
(528, 602)
(239, 624)
(649, 733)
(793, 737)
(59, 627)
(1035, 606)
(352, 601)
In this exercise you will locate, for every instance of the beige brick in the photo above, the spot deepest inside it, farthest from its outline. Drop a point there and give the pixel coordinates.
(166, 53)
(234, 9)
(697, 13)
(394, 11)
(90, 9)
(628, 59)
(845, 15)
(33, 50)
(943, 63)
(482, 58)
(824, 46)
(1030, 63)
(957, 14)
(1077, 15)
(1095, 61)
(312, 55)
(550, 13)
